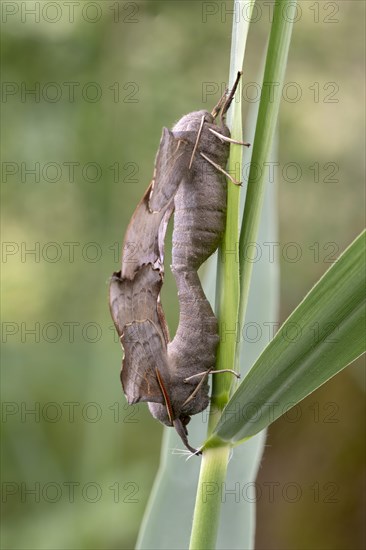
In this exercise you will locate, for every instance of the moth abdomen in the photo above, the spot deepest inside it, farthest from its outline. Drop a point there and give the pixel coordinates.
(197, 232)
(192, 247)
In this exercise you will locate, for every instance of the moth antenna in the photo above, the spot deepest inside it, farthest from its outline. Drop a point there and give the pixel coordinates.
(181, 452)
(177, 423)
(189, 456)
(197, 140)
(215, 111)
(230, 97)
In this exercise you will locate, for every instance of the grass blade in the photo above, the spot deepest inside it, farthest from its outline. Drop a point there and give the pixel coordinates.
(279, 43)
(168, 516)
(322, 336)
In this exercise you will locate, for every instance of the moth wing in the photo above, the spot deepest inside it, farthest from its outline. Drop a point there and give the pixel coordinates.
(136, 298)
(141, 241)
(145, 351)
(171, 164)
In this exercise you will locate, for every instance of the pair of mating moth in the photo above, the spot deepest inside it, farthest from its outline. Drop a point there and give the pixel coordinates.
(190, 180)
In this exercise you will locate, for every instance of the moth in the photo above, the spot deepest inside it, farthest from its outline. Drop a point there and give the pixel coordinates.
(189, 180)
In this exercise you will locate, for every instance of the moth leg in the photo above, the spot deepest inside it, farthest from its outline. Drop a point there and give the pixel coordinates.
(226, 370)
(196, 390)
(204, 375)
(218, 167)
(212, 372)
(229, 140)
(197, 140)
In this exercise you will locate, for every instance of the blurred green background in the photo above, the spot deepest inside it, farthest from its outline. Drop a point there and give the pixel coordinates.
(77, 463)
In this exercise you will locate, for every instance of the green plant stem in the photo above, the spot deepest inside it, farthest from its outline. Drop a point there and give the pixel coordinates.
(208, 499)
(215, 460)
(227, 283)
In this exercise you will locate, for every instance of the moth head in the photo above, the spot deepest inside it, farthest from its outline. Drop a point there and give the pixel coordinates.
(160, 412)
(194, 129)
(183, 432)
(171, 410)
(192, 121)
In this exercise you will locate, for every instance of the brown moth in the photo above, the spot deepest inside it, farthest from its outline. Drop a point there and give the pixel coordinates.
(190, 180)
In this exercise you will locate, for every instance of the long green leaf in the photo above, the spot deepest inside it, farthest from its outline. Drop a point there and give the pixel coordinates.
(322, 336)
(168, 516)
(279, 43)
